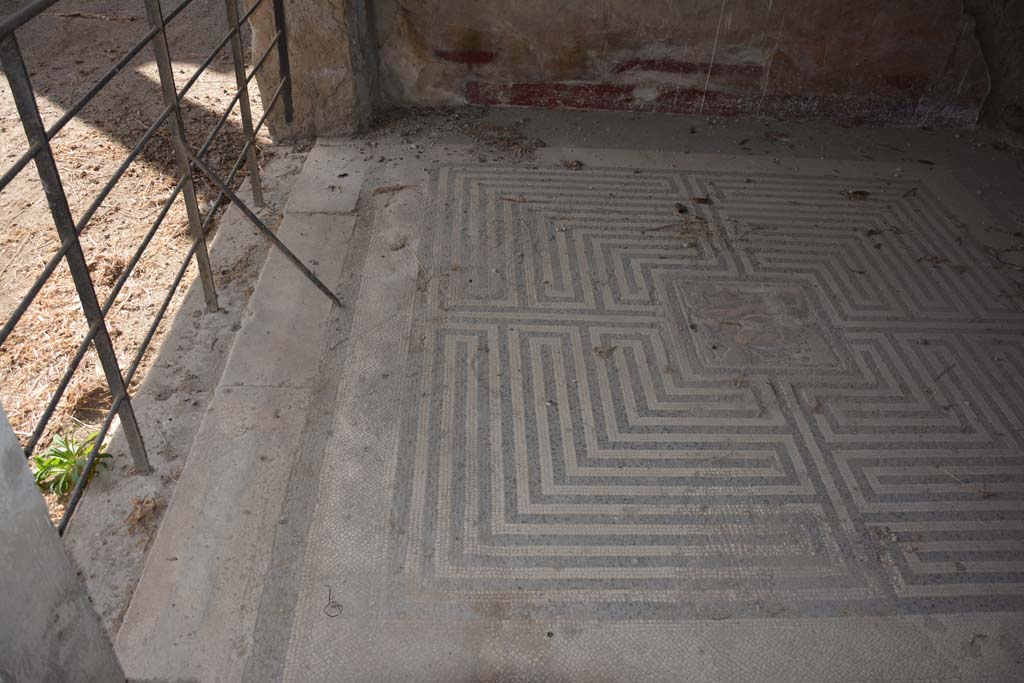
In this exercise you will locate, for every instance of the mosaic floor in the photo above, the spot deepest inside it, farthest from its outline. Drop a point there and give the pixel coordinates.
(596, 411)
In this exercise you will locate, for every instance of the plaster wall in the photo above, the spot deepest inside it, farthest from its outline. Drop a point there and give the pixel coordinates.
(881, 61)
(332, 65)
(1001, 34)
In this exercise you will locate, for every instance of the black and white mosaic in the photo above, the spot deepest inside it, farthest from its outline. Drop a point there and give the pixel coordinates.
(676, 395)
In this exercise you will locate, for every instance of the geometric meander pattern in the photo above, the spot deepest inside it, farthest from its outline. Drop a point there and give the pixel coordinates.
(786, 401)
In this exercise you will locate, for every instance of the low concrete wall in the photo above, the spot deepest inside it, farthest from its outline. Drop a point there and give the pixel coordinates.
(48, 629)
(902, 62)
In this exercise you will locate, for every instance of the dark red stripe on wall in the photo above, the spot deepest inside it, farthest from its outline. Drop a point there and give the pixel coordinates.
(669, 99)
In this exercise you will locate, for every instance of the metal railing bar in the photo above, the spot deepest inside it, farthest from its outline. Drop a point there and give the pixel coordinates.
(209, 219)
(165, 209)
(49, 176)
(244, 102)
(137, 256)
(119, 173)
(205, 65)
(270, 105)
(221, 121)
(26, 302)
(165, 66)
(283, 68)
(263, 57)
(282, 247)
(90, 464)
(34, 289)
(55, 260)
(238, 93)
(116, 402)
(241, 157)
(231, 105)
(18, 18)
(83, 347)
(53, 130)
(16, 315)
(245, 17)
(99, 85)
(70, 249)
(109, 186)
(144, 345)
(129, 267)
(18, 165)
(65, 380)
(249, 144)
(12, 321)
(171, 291)
(231, 179)
(176, 11)
(239, 160)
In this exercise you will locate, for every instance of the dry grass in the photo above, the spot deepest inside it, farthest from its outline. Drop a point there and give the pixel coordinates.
(144, 514)
(89, 150)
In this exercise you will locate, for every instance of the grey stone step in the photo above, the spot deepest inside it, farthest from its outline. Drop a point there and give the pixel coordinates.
(193, 613)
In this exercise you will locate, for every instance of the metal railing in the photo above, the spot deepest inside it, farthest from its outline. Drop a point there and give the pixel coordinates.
(69, 230)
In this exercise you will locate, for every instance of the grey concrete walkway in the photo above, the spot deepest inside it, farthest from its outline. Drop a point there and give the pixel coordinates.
(661, 400)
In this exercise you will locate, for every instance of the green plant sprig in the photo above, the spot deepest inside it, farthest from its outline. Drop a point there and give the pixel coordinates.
(59, 467)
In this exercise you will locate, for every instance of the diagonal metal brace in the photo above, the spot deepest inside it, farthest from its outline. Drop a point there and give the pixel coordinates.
(310, 275)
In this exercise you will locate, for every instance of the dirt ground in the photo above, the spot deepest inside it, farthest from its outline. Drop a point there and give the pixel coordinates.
(67, 49)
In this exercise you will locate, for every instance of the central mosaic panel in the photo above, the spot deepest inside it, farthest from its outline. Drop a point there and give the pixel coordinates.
(612, 410)
(754, 326)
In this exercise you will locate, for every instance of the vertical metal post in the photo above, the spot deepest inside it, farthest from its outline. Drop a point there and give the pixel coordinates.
(282, 61)
(53, 188)
(154, 14)
(243, 100)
